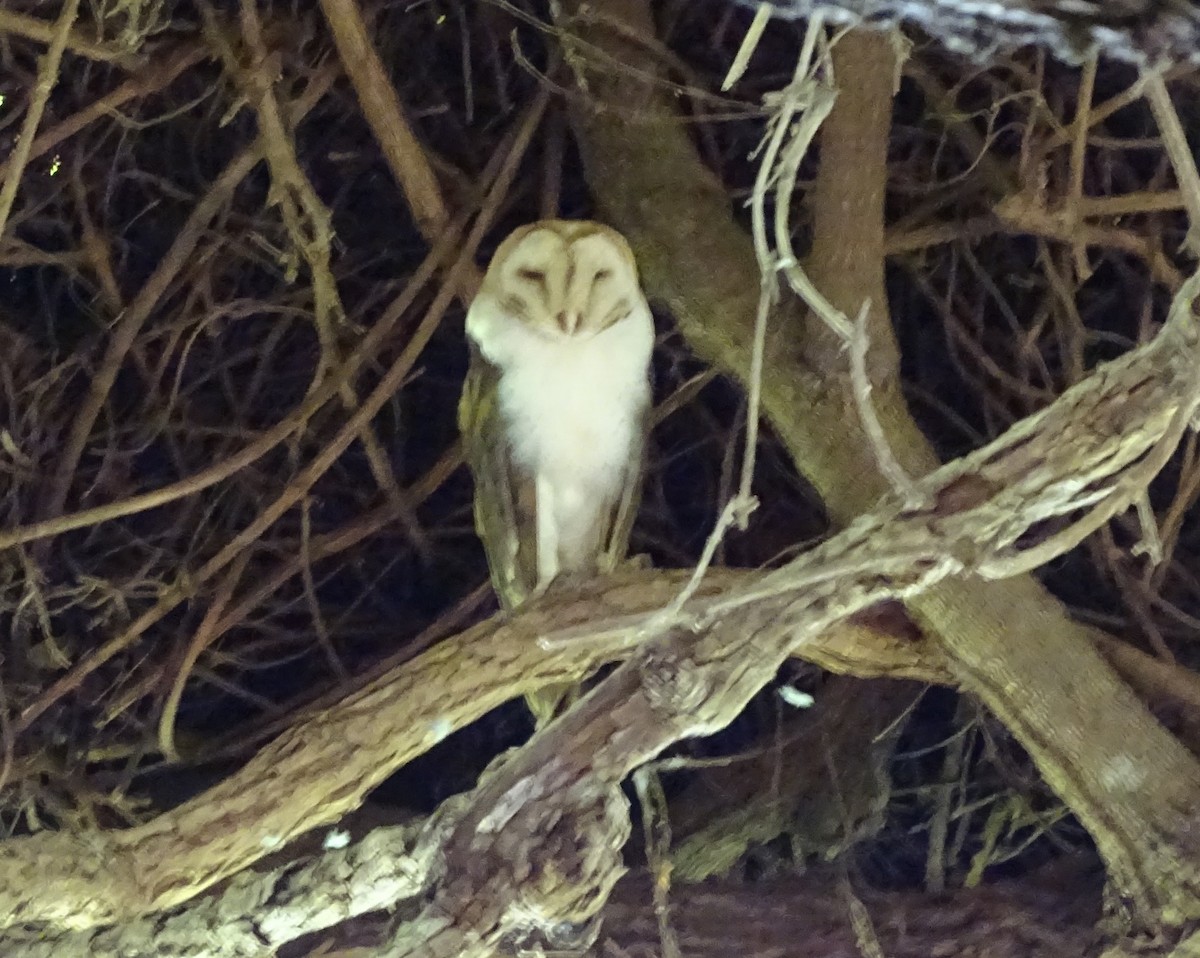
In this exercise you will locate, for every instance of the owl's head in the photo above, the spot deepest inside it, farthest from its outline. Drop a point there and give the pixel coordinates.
(564, 278)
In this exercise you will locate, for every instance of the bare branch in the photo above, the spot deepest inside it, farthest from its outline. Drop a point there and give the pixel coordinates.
(46, 78)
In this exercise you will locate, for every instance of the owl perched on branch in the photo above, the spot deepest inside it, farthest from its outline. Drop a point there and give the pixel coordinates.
(554, 408)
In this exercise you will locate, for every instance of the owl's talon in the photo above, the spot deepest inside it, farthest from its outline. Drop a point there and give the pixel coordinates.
(567, 582)
(638, 563)
(539, 590)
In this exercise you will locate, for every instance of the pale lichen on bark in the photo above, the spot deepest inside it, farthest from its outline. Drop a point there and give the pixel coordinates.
(1145, 32)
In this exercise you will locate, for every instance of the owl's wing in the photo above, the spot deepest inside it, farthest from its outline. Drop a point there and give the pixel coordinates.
(614, 537)
(505, 517)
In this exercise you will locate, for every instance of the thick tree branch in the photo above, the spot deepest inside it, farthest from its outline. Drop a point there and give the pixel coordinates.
(1042, 917)
(1009, 642)
(1140, 31)
(100, 878)
(384, 112)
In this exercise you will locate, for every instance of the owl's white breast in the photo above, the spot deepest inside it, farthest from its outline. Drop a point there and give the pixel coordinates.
(573, 407)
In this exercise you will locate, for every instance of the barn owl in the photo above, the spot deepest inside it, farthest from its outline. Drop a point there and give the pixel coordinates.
(554, 408)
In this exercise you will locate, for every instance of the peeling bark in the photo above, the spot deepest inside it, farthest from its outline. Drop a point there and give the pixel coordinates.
(1139, 31)
(82, 880)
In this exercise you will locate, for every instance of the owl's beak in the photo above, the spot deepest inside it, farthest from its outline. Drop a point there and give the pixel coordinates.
(568, 321)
